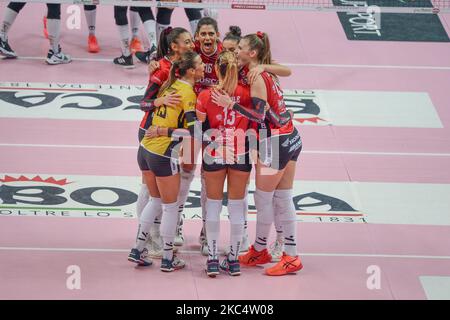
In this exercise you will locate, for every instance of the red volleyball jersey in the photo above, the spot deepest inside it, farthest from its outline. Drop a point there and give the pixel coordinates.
(242, 76)
(229, 123)
(158, 77)
(276, 102)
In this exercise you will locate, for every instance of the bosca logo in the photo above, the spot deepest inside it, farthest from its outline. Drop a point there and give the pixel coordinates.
(53, 192)
(25, 193)
(69, 100)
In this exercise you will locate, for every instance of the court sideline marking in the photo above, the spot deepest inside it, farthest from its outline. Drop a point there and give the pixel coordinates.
(350, 255)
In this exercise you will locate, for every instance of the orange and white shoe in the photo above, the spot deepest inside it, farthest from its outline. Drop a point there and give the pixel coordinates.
(253, 258)
(286, 265)
(93, 44)
(136, 45)
(45, 27)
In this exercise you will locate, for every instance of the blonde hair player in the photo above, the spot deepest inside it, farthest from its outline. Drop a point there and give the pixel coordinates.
(230, 43)
(279, 149)
(225, 158)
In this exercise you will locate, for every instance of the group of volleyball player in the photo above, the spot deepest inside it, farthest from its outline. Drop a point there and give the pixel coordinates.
(220, 99)
(130, 42)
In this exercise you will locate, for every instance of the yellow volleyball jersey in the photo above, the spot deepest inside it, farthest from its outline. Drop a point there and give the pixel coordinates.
(171, 117)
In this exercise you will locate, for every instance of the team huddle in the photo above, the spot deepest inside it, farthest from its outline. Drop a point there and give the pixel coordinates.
(217, 99)
(222, 100)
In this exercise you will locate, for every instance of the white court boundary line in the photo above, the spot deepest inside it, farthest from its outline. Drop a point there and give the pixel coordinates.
(317, 65)
(349, 255)
(369, 153)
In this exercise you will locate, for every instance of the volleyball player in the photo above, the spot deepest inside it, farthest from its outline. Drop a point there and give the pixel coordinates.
(225, 128)
(161, 158)
(230, 43)
(279, 149)
(208, 47)
(54, 55)
(120, 16)
(173, 44)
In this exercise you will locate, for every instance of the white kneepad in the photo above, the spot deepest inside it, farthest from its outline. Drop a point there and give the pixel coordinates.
(264, 206)
(236, 211)
(213, 210)
(284, 207)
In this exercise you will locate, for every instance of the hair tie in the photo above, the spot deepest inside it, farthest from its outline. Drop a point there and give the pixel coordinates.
(167, 30)
(260, 35)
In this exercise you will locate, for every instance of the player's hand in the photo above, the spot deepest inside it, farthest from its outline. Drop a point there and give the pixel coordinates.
(171, 100)
(153, 66)
(152, 132)
(221, 98)
(254, 73)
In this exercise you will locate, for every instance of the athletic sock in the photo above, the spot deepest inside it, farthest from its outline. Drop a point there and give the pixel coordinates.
(54, 31)
(168, 228)
(91, 16)
(236, 213)
(8, 20)
(146, 221)
(213, 208)
(135, 20)
(142, 199)
(150, 30)
(124, 39)
(288, 219)
(264, 218)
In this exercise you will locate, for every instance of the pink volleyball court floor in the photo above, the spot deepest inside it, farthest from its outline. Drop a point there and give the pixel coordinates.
(372, 185)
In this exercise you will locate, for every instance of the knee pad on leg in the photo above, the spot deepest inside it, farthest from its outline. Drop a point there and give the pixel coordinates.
(151, 210)
(169, 220)
(264, 206)
(236, 211)
(213, 210)
(284, 206)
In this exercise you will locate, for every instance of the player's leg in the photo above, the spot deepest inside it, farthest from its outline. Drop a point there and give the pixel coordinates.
(11, 12)
(55, 55)
(163, 17)
(91, 16)
(149, 22)
(214, 191)
(135, 22)
(237, 183)
(126, 59)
